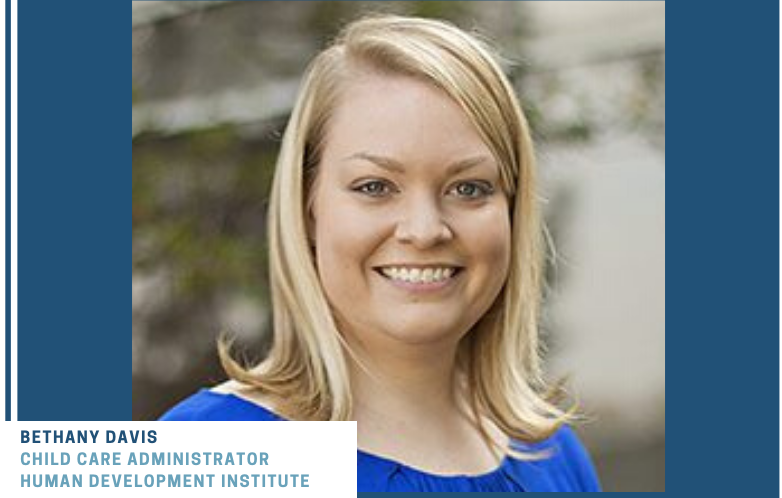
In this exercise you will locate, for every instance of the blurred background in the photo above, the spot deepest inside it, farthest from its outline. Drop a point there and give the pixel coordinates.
(213, 84)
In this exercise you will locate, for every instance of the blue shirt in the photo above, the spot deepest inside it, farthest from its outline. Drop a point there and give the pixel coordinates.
(568, 467)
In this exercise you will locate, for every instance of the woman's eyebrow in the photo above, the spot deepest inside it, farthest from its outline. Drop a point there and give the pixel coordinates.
(397, 167)
(381, 161)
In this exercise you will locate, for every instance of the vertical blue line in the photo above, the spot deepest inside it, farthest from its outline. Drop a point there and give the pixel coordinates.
(7, 210)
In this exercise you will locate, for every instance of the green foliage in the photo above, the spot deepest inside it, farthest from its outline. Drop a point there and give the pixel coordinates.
(198, 210)
(451, 11)
(325, 18)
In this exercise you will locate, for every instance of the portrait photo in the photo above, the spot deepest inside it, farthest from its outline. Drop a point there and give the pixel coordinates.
(442, 220)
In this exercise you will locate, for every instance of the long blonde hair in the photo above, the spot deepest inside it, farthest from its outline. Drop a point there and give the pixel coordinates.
(500, 359)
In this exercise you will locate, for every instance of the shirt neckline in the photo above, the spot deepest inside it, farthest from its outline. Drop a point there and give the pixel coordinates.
(394, 465)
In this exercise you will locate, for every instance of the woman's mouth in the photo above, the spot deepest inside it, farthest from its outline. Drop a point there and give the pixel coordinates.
(420, 278)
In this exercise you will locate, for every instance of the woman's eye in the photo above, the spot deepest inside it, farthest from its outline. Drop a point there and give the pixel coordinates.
(472, 190)
(373, 188)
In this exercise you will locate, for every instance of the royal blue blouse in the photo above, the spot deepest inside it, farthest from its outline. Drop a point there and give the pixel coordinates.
(568, 467)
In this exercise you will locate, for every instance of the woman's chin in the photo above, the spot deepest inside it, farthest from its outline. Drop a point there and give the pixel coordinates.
(423, 333)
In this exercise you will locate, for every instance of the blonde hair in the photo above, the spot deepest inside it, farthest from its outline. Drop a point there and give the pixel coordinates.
(500, 359)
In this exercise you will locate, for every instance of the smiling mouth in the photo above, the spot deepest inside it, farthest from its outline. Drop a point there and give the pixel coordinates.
(419, 276)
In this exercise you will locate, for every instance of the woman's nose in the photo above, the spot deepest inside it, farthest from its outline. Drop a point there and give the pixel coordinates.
(422, 224)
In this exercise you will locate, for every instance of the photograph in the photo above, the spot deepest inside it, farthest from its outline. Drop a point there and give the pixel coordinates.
(444, 221)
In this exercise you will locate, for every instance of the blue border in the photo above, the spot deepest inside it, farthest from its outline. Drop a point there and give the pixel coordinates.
(724, 132)
(74, 327)
(8, 210)
(723, 295)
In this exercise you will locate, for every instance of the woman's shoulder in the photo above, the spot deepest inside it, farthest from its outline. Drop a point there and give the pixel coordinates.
(226, 402)
(565, 466)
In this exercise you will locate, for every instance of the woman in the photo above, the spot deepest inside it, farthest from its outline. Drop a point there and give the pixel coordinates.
(406, 262)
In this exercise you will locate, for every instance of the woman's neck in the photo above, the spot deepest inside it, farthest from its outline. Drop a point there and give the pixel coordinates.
(410, 407)
(404, 382)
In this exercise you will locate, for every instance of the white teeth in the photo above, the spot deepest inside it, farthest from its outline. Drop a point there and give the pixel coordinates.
(417, 275)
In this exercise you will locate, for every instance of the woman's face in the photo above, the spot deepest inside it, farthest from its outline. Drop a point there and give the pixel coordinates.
(410, 225)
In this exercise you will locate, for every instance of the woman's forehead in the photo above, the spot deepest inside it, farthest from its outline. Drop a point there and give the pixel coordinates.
(397, 116)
